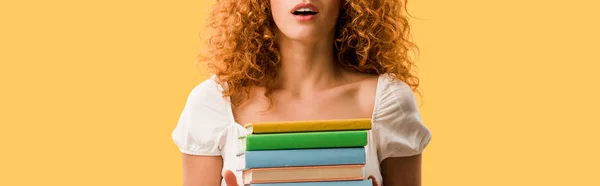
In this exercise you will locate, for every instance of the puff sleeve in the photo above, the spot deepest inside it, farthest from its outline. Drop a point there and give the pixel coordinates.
(202, 121)
(398, 128)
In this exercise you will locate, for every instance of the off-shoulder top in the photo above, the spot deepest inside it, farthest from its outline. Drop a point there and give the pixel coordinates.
(207, 127)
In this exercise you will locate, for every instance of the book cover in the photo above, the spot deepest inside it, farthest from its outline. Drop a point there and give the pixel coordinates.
(304, 157)
(328, 183)
(303, 174)
(304, 140)
(309, 126)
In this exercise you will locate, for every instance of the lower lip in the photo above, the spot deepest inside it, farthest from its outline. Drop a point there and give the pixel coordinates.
(305, 17)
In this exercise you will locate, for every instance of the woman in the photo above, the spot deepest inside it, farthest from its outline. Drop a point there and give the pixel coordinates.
(282, 60)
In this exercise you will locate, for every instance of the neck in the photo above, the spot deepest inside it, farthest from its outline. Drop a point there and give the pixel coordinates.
(306, 66)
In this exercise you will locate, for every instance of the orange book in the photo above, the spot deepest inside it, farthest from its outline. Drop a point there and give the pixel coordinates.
(309, 126)
(303, 174)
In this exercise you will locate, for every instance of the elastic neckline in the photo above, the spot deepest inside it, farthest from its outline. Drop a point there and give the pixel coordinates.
(376, 101)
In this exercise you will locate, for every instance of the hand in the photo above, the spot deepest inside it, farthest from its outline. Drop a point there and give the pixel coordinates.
(372, 179)
(231, 180)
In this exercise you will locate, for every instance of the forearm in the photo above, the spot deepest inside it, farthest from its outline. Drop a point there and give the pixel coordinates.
(401, 171)
(201, 170)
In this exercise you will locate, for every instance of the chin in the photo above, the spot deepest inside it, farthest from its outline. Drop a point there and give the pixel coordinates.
(303, 35)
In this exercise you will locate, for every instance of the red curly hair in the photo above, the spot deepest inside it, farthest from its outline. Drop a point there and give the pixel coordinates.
(372, 36)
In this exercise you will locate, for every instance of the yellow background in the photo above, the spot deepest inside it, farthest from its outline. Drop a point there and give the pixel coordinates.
(91, 90)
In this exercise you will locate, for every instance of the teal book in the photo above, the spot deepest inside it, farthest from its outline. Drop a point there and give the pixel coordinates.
(304, 157)
(305, 140)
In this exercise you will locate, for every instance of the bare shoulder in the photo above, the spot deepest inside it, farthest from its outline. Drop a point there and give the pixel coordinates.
(365, 86)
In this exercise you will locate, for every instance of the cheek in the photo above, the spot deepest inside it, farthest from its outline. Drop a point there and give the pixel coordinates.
(278, 11)
(278, 8)
(335, 7)
(333, 13)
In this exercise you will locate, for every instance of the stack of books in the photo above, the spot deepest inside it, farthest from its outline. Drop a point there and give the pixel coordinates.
(305, 153)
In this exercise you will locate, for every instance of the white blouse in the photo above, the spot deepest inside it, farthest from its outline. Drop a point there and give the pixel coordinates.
(207, 127)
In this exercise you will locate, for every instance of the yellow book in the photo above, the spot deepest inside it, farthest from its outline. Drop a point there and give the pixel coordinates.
(309, 126)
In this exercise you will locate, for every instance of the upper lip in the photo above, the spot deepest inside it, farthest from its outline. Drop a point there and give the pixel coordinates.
(305, 5)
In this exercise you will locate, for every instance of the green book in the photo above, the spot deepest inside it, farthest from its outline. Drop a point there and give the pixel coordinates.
(305, 140)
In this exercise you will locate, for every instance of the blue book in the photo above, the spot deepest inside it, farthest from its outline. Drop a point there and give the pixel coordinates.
(304, 157)
(328, 183)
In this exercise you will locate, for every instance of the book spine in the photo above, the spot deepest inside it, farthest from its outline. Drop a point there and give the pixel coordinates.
(306, 140)
(311, 126)
(328, 183)
(305, 157)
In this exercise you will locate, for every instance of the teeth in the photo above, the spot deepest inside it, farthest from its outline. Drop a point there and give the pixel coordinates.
(304, 10)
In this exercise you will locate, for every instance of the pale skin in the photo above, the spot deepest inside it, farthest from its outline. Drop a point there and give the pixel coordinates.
(309, 82)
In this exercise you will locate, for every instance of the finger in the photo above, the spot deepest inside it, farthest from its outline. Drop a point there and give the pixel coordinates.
(374, 181)
(230, 178)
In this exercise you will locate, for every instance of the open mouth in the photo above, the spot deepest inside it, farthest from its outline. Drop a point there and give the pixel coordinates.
(305, 11)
